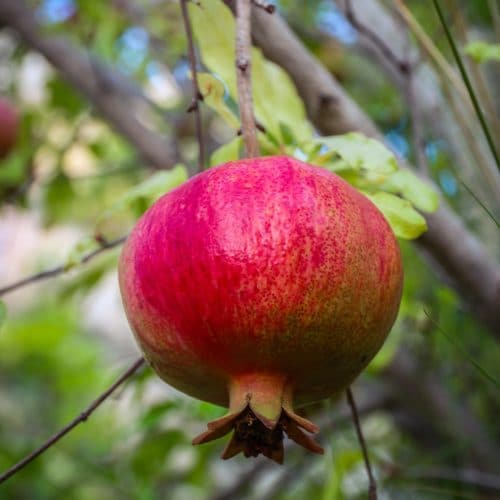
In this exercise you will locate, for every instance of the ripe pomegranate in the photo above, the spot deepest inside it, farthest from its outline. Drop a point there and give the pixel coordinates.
(259, 285)
(9, 125)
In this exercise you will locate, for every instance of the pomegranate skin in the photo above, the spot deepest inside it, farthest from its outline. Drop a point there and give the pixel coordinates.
(265, 278)
(9, 125)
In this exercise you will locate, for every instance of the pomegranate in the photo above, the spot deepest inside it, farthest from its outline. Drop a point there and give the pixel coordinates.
(260, 285)
(8, 127)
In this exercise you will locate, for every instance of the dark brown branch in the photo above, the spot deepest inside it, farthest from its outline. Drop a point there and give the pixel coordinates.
(113, 95)
(78, 420)
(372, 489)
(197, 95)
(63, 268)
(244, 77)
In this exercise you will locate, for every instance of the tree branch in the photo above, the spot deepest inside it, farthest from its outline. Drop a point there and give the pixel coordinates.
(78, 420)
(244, 78)
(197, 95)
(439, 416)
(430, 89)
(482, 482)
(372, 489)
(61, 269)
(112, 95)
(459, 255)
(401, 65)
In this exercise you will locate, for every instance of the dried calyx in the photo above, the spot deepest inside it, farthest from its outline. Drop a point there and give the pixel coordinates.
(260, 423)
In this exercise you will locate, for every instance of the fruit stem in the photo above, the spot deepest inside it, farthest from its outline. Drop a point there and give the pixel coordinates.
(265, 393)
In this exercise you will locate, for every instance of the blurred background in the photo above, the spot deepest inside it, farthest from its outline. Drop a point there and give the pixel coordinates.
(100, 91)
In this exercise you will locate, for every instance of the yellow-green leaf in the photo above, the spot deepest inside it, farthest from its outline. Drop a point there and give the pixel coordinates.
(483, 51)
(413, 189)
(361, 153)
(149, 190)
(214, 95)
(275, 97)
(404, 220)
(227, 152)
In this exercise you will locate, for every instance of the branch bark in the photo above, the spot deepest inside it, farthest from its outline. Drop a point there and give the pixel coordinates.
(61, 269)
(197, 95)
(244, 77)
(112, 94)
(462, 260)
(78, 420)
(421, 392)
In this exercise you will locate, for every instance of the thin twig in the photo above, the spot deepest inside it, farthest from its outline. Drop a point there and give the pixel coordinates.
(482, 482)
(63, 268)
(269, 8)
(465, 78)
(407, 70)
(402, 65)
(481, 204)
(463, 350)
(78, 420)
(417, 131)
(488, 171)
(431, 50)
(483, 93)
(197, 95)
(495, 16)
(372, 489)
(244, 77)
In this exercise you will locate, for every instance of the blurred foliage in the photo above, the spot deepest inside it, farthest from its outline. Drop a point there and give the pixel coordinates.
(482, 51)
(70, 170)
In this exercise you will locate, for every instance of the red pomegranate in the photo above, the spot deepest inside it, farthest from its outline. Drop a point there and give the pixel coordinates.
(261, 285)
(9, 125)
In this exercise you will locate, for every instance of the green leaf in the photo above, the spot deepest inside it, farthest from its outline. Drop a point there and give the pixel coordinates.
(215, 96)
(287, 135)
(404, 220)
(148, 191)
(483, 51)
(361, 153)
(155, 414)
(275, 97)
(213, 26)
(59, 198)
(226, 152)
(3, 313)
(388, 351)
(276, 100)
(413, 189)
